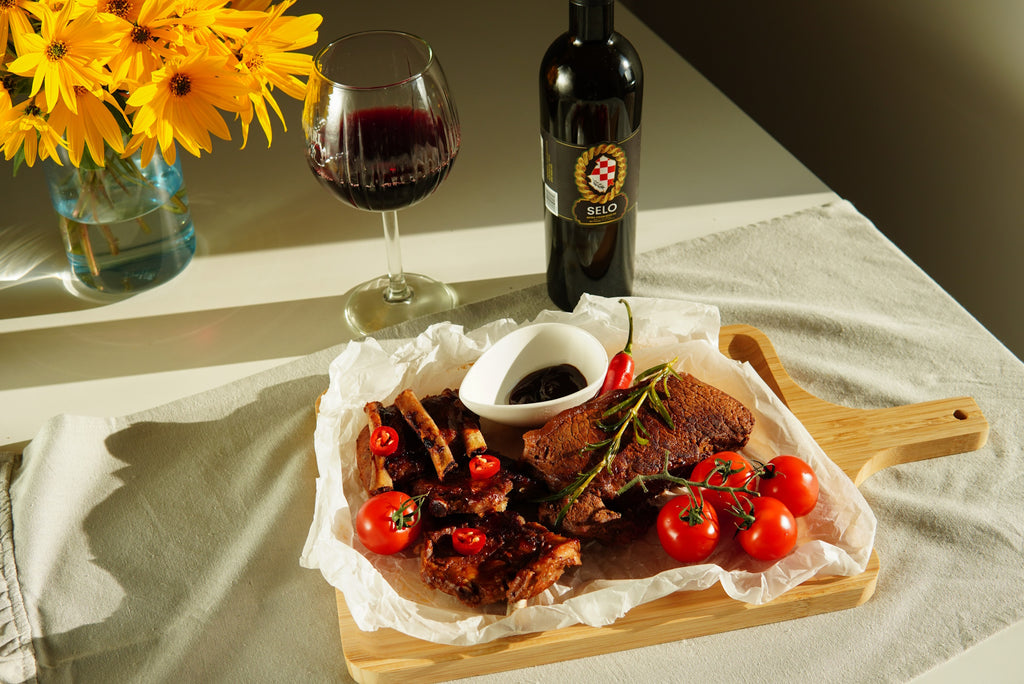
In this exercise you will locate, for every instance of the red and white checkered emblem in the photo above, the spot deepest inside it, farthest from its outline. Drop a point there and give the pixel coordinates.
(602, 176)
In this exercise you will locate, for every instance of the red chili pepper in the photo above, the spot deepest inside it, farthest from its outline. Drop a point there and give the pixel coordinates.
(620, 368)
(383, 441)
(468, 540)
(484, 466)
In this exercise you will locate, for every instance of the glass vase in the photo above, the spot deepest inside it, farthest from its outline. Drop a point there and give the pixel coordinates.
(126, 227)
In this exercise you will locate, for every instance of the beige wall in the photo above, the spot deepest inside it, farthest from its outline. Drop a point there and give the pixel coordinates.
(913, 110)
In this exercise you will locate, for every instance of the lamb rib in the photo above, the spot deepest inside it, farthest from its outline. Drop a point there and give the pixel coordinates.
(374, 474)
(428, 432)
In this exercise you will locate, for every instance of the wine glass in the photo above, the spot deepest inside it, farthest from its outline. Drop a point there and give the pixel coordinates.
(381, 134)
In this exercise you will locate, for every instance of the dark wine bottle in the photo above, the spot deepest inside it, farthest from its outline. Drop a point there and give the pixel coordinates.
(591, 95)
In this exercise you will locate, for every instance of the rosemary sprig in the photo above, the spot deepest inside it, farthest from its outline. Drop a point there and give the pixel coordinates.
(618, 421)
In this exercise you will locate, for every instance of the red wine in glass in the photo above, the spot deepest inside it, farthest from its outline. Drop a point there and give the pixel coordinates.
(382, 134)
(402, 155)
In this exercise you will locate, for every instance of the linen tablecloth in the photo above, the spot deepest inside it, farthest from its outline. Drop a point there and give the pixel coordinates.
(164, 546)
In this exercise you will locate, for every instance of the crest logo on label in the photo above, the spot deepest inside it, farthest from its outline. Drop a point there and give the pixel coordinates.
(600, 175)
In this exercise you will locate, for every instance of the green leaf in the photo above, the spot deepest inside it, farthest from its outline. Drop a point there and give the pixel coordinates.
(628, 402)
(652, 371)
(662, 410)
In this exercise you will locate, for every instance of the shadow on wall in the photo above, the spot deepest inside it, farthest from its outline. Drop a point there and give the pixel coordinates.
(913, 111)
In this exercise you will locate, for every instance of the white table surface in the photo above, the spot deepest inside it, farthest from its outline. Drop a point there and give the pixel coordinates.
(276, 253)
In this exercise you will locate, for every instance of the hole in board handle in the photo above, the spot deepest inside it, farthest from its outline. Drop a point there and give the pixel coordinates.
(960, 414)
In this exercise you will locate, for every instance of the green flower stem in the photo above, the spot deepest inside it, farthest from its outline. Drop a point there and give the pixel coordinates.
(90, 256)
(111, 239)
(124, 173)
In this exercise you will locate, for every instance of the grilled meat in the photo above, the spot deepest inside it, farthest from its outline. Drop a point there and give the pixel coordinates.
(522, 557)
(407, 464)
(450, 429)
(442, 419)
(519, 560)
(705, 421)
(461, 494)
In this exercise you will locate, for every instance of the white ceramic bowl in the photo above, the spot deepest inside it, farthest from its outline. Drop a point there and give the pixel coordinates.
(487, 385)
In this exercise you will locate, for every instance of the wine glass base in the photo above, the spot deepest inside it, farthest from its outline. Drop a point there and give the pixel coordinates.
(367, 310)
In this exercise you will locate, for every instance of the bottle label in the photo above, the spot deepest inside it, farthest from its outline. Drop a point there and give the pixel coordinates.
(591, 185)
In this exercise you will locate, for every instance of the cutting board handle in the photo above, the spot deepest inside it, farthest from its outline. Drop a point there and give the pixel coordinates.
(863, 441)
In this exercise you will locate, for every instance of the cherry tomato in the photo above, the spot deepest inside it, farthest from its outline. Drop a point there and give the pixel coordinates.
(772, 535)
(687, 533)
(388, 522)
(383, 440)
(791, 481)
(484, 466)
(468, 540)
(620, 369)
(723, 501)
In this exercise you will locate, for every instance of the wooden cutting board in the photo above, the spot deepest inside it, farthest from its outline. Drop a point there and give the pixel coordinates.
(860, 441)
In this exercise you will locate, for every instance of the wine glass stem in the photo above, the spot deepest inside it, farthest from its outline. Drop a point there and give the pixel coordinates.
(398, 290)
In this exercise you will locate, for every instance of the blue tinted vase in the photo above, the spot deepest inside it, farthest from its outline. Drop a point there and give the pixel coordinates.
(126, 227)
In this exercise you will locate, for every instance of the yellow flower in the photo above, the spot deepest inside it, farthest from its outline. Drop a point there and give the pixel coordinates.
(24, 126)
(207, 22)
(124, 9)
(265, 49)
(182, 64)
(181, 102)
(94, 125)
(143, 46)
(267, 60)
(14, 21)
(68, 51)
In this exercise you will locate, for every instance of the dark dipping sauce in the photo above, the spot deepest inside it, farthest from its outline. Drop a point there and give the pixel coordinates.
(553, 382)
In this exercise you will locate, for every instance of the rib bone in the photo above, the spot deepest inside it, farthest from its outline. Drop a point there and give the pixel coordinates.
(425, 427)
(377, 480)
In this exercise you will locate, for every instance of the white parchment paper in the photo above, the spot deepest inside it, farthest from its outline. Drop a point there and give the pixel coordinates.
(386, 591)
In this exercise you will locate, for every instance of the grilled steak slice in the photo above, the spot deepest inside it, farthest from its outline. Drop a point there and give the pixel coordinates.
(705, 419)
(519, 560)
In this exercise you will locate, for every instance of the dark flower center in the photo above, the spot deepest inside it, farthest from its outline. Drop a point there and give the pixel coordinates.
(140, 35)
(255, 61)
(181, 84)
(56, 50)
(118, 7)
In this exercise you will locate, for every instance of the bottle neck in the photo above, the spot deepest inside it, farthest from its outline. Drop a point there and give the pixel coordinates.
(591, 20)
